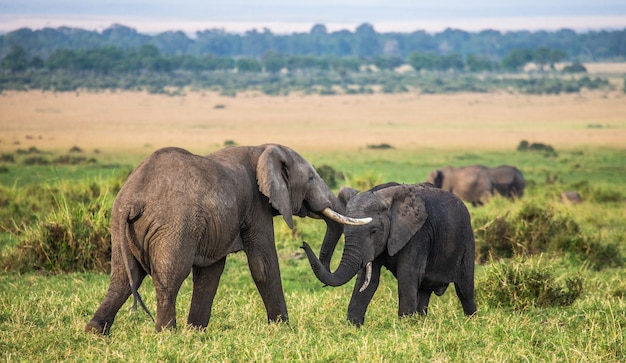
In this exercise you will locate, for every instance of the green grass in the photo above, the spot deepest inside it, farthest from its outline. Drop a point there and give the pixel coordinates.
(42, 314)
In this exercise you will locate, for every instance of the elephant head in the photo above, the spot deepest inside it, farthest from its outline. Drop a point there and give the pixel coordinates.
(396, 213)
(294, 187)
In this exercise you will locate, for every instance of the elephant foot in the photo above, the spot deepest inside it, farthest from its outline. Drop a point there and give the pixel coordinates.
(282, 318)
(96, 327)
(357, 322)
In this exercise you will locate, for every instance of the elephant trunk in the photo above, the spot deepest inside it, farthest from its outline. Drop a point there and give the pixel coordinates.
(334, 231)
(348, 267)
(335, 219)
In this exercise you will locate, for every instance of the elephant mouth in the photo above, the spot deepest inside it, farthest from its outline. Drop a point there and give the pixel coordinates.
(306, 211)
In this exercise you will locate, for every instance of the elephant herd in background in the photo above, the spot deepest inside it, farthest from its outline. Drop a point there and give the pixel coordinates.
(180, 213)
(476, 184)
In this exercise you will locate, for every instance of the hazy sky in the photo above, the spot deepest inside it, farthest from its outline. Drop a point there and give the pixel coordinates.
(288, 16)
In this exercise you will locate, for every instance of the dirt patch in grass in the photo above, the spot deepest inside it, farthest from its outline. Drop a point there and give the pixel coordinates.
(138, 123)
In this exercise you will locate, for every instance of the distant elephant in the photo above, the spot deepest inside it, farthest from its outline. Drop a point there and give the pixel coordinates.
(421, 234)
(507, 181)
(179, 212)
(470, 183)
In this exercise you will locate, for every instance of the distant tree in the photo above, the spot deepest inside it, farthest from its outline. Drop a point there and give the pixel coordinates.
(16, 60)
(480, 63)
(368, 44)
(423, 61)
(62, 59)
(382, 62)
(517, 59)
(273, 61)
(248, 65)
(452, 61)
(319, 29)
(545, 56)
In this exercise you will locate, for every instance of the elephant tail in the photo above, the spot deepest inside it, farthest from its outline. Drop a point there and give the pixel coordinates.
(130, 213)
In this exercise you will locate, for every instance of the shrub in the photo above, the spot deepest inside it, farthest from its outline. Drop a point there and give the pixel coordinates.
(36, 160)
(536, 229)
(7, 158)
(537, 146)
(365, 181)
(70, 239)
(382, 146)
(329, 175)
(59, 228)
(520, 286)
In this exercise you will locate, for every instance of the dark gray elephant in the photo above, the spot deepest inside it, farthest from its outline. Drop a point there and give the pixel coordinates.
(507, 181)
(470, 183)
(179, 212)
(422, 234)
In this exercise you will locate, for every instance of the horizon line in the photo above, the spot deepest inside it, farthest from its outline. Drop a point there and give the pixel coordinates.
(9, 23)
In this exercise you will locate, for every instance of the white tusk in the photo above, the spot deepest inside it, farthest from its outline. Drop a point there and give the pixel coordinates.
(340, 218)
(368, 276)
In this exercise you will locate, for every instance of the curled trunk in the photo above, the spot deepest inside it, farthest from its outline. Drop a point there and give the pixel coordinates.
(335, 220)
(348, 267)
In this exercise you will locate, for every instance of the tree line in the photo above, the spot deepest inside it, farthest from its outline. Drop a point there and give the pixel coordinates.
(144, 65)
(110, 59)
(364, 42)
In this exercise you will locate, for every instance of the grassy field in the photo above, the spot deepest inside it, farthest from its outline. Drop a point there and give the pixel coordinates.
(42, 315)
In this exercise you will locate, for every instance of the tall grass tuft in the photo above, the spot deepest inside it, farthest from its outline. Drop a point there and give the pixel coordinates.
(537, 229)
(521, 286)
(73, 236)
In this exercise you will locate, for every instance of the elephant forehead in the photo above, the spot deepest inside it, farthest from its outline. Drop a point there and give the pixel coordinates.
(364, 204)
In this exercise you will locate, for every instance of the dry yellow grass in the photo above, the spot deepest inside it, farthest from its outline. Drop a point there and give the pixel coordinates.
(140, 122)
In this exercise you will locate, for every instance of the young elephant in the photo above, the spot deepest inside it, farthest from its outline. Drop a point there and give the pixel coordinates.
(422, 234)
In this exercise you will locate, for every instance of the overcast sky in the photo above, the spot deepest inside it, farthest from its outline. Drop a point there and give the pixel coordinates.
(288, 16)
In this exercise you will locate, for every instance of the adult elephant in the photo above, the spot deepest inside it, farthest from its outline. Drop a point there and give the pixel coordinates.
(179, 212)
(422, 234)
(470, 183)
(507, 181)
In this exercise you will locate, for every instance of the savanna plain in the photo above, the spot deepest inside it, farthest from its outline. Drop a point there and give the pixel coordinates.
(65, 155)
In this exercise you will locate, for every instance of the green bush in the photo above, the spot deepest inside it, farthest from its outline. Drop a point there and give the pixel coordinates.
(7, 158)
(536, 229)
(521, 286)
(74, 237)
(329, 175)
(58, 228)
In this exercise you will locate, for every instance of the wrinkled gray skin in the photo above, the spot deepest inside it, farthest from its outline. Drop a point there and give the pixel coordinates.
(179, 212)
(470, 183)
(507, 181)
(420, 233)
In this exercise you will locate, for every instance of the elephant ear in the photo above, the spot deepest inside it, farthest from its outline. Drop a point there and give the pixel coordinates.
(346, 193)
(273, 179)
(407, 212)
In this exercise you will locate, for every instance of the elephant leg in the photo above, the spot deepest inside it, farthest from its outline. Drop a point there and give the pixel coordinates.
(168, 273)
(119, 291)
(410, 273)
(464, 286)
(263, 264)
(407, 297)
(465, 292)
(360, 300)
(423, 298)
(205, 282)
